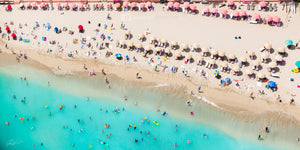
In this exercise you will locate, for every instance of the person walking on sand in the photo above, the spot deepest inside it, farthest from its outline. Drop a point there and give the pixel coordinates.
(137, 75)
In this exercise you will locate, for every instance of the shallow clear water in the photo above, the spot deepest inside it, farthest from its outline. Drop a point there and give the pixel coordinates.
(48, 129)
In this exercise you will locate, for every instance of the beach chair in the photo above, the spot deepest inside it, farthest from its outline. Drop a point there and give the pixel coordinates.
(274, 75)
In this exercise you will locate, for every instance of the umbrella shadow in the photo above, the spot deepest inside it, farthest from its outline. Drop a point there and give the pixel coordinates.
(291, 47)
(120, 58)
(170, 55)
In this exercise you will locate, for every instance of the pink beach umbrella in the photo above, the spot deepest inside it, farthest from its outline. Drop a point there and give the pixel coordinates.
(28, 4)
(263, 4)
(66, 5)
(224, 11)
(117, 5)
(193, 7)
(230, 2)
(206, 9)
(58, 4)
(134, 4)
(276, 19)
(235, 13)
(149, 4)
(256, 16)
(186, 4)
(34, 4)
(73, 5)
(80, 5)
(176, 5)
(125, 4)
(243, 13)
(170, 4)
(214, 10)
(268, 18)
(42, 4)
(142, 5)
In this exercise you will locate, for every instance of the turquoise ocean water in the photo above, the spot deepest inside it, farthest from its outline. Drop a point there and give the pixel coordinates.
(39, 130)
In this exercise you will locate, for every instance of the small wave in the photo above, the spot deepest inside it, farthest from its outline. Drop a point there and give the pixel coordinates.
(158, 85)
(12, 142)
(62, 72)
(208, 102)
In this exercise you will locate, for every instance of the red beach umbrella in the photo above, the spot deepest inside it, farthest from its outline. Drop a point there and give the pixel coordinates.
(176, 5)
(205, 9)
(193, 7)
(125, 4)
(224, 11)
(34, 4)
(214, 10)
(142, 5)
(58, 4)
(243, 13)
(262, 4)
(276, 19)
(149, 4)
(8, 6)
(13, 35)
(66, 5)
(186, 4)
(80, 5)
(117, 5)
(256, 16)
(230, 2)
(28, 4)
(235, 13)
(73, 5)
(268, 18)
(80, 27)
(7, 28)
(42, 5)
(134, 4)
(170, 4)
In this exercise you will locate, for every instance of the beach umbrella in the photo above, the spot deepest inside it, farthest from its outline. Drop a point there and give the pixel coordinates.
(149, 4)
(256, 63)
(256, 16)
(205, 50)
(34, 4)
(127, 32)
(261, 75)
(42, 4)
(193, 7)
(224, 11)
(206, 9)
(55, 29)
(142, 5)
(278, 58)
(148, 48)
(231, 56)
(217, 73)
(297, 64)
(157, 49)
(163, 40)
(80, 27)
(21, 4)
(188, 56)
(152, 38)
(227, 80)
(186, 4)
(184, 46)
(268, 46)
(117, 5)
(170, 4)
(251, 53)
(58, 4)
(142, 35)
(281, 50)
(80, 5)
(249, 72)
(265, 55)
(133, 4)
(224, 64)
(178, 54)
(288, 42)
(122, 43)
(8, 6)
(262, 4)
(13, 35)
(272, 84)
(176, 5)
(243, 59)
(276, 19)
(7, 28)
(73, 5)
(243, 13)
(230, 2)
(268, 18)
(235, 13)
(212, 61)
(130, 44)
(195, 45)
(236, 69)
(29, 4)
(139, 45)
(214, 10)
(66, 5)
(200, 58)
(214, 52)
(168, 50)
(118, 55)
(125, 4)
(221, 53)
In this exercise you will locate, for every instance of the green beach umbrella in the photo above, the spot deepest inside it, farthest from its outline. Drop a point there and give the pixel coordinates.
(297, 64)
(288, 42)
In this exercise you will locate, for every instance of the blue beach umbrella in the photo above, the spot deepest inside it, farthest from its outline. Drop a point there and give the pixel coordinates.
(55, 29)
(297, 64)
(118, 55)
(227, 80)
(288, 42)
(272, 84)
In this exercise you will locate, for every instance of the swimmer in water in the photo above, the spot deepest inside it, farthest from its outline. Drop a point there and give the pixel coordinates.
(135, 102)
(75, 106)
(49, 113)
